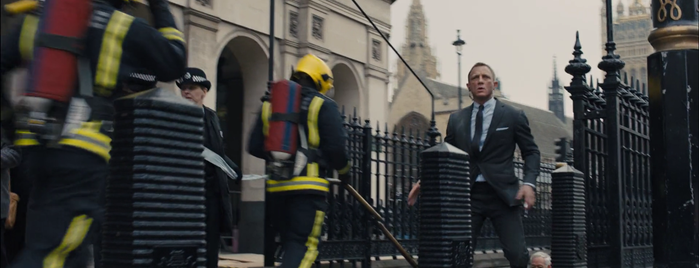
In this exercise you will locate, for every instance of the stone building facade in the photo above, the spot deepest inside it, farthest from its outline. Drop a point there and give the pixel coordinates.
(229, 40)
(632, 24)
(410, 107)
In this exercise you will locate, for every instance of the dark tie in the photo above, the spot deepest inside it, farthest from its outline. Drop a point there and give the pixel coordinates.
(476, 141)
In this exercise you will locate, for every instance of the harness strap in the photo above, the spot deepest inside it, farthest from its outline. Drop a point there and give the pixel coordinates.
(291, 117)
(84, 77)
(75, 46)
(65, 43)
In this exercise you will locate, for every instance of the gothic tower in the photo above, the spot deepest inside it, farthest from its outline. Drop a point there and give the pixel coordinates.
(416, 50)
(631, 27)
(556, 96)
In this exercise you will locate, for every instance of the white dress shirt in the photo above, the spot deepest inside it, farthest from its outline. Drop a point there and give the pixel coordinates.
(488, 108)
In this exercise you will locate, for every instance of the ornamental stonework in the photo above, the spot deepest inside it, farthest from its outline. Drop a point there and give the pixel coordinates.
(294, 24)
(317, 27)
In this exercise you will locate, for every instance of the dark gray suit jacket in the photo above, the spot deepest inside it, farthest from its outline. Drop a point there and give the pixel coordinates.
(509, 127)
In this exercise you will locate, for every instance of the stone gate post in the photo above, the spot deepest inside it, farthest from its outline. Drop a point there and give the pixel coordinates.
(155, 192)
(445, 208)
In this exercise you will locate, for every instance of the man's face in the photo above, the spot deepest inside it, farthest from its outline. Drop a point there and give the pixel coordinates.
(481, 82)
(194, 93)
(539, 262)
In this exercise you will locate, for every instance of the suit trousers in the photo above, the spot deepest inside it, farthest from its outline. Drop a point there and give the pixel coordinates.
(507, 221)
(64, 206)
(298, 219)
(213, 224)
(3, 255)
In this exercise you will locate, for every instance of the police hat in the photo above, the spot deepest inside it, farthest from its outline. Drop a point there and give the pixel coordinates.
(142, 78)
(194, 76)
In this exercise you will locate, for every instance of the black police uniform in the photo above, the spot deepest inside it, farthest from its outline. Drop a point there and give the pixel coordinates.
(64, 207)
(219, 210)
(298, 205)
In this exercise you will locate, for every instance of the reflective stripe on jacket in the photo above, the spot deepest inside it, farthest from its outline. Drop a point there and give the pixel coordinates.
(87, 137)
(322, 120)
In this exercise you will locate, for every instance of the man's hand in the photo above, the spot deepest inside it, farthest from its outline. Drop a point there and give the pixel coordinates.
(412, 196)
(526, 192)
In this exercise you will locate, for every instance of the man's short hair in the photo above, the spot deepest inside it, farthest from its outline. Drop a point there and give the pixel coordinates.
(479, 64)
(541, 254)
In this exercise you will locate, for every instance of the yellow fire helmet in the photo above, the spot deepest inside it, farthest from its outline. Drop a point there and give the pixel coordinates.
(317, 70)
(21, 7)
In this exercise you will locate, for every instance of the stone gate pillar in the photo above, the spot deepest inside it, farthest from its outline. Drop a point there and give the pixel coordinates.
(673, 86)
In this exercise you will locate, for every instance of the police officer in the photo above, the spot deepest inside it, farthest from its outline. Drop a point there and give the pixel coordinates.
(64, 206)
(298, 203)
(219, 212)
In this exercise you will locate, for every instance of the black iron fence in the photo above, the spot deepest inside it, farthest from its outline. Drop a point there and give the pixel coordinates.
(612, 149)
(385, 166)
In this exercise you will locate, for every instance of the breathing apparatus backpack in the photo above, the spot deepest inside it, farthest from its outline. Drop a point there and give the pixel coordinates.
(285, 128)
(57, 67)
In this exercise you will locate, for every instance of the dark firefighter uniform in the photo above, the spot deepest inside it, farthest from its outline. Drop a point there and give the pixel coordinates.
(298, 204)
(64, 208)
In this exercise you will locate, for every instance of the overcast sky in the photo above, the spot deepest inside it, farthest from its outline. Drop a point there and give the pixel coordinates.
(518, 38)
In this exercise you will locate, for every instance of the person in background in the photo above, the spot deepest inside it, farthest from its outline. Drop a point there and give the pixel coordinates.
(540, 260)
(10, 159)
(219, 211)
(298, 199)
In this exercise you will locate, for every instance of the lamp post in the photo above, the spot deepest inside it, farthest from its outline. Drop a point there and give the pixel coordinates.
(459, 44)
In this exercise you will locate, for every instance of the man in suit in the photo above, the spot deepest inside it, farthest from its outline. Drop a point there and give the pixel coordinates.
(488, 131)
(219, 216)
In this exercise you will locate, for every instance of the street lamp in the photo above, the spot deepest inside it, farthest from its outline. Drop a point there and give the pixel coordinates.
(459, 44)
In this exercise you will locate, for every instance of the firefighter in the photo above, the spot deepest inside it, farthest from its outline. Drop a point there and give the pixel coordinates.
(65, 204)
(298, 203)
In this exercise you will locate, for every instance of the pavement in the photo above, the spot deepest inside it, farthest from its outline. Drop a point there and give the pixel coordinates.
(239, 260)
(246, 260)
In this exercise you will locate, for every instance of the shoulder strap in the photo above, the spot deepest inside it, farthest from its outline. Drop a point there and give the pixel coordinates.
(84, 76)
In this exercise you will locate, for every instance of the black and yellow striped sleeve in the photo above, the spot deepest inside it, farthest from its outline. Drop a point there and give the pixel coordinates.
(331, 135)
(160, 50)
(11, 56)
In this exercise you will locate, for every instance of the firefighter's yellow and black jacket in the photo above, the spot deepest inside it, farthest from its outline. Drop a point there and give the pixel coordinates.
(116, 45)
(326, 136)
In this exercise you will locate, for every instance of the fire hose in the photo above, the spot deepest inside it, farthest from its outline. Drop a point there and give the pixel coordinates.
(378, 218)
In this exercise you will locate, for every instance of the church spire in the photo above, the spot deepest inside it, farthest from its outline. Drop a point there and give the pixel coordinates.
(416, 32)
(416, 49)
(555, 84)
(556, 95)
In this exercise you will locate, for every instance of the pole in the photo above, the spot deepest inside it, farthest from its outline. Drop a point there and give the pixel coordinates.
(269, 243)
(674, 128)
(270, 75)
(460, 97)
(379, 219)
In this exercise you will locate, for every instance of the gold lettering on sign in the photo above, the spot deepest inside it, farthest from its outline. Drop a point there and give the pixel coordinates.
(675, 10)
